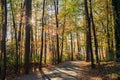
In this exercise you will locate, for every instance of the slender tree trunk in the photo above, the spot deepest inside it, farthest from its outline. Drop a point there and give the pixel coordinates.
(87, 48)
(116, 7)
(16, 40)
(71, 46)
(62, 41)
(32, 47)
(53, 52)
(110, 30)
(28, 7)
(1, 37)
(63, 31)
(107, 29)
(94, 33)
(62, 47)
(78, 44)
(57, 25)
(19, 35)
(45, 48)
(4, 34)
(89, 32)
(41, 52)
(36, 37)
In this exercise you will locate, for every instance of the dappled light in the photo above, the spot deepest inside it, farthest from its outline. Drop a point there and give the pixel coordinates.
(59, 39)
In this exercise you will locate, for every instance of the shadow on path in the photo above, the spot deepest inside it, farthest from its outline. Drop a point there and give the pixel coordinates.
(64, 71)
(44, 76)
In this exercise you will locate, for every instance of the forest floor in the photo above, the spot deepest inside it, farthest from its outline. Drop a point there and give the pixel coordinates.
(75, 70)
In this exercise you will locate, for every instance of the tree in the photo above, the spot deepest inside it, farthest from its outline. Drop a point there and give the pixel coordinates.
(57, 25)
(4, 34)
(94, 32)
(89, 33)
(19, 34)
(63, 32)
(42, 34)
(71, 36)
(78, 42)
(45, 49)
(28, 13)
(116, 8)
(108, 28)
(16, 39)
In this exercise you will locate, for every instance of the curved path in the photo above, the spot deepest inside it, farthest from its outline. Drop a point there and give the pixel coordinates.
(65, 71)
(74, 70)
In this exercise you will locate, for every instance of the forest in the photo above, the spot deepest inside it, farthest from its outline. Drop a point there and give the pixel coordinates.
(59, 39)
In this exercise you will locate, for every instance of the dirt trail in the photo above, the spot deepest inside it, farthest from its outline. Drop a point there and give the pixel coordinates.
(72, 70)
(65, 71)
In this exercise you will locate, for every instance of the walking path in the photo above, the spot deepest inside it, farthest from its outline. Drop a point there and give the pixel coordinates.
(65, 71)
(74, 70)
(69, 70)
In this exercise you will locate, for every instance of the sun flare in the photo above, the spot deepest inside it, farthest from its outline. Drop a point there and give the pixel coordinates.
(32, 21)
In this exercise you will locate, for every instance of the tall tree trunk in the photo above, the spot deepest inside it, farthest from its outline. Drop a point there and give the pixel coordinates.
(4, 34)
(62, 47)
(63, 31)
(41, 52)
(28, 13)
(1, 37)
(16, 40)
(36, 37)
(32, 47)
(89, 33)
(87, 47)
(57, 25)
(53, 52)
(45, 48)
(116, 7)
(78, 44)
(112, 45)
(71, 46)
(19, 34)
(107, 29)
(94, 33)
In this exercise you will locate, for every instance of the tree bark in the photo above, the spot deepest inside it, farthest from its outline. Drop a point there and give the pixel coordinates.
(71, 46)
(41, 52)
(78, 43)
(45, 48)
(28, 13)
(107, 30)
(57, 25)
(15, 32)
(94, 33)
(4, 34)
(116, 7)
(89, 33)
(19, 35)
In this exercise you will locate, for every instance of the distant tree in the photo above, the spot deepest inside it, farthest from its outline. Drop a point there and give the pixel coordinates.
(42, 35)
(45, 49)
(63, 32)
(56, 3)
(15, 32)
(78, 42)
(19, 34)
(108, 29)
(71, 36)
